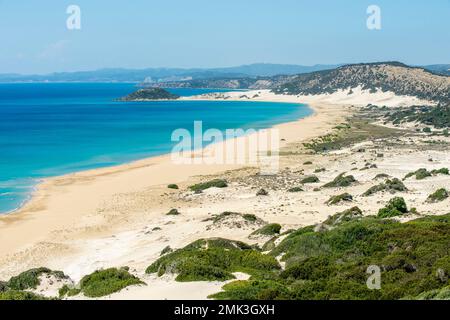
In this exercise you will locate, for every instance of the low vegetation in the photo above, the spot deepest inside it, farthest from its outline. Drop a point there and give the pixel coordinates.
(331, 264)
(173, 212)
(268, 230)
(214, 259)
(437, 196)
(344, 216)
(395, 207)
(340, 181)
(360, 130)
(309, 179)
(20, 295)
(173, 186)
(438, 117)
(216, 183)
(102, 283)
(30, 279)
(339, 198)
(423, 173)
(262, 192)
(392, 186)
(295, 189)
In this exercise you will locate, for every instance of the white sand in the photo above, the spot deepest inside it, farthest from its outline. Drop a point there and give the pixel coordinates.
(105, 217)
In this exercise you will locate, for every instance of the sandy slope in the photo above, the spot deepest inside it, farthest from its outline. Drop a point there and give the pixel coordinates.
(107, 217)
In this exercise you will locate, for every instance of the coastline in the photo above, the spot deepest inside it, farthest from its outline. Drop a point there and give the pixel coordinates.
(116, 216)
(72, 203)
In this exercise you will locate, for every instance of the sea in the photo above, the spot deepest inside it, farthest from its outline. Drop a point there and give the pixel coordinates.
(52, 129)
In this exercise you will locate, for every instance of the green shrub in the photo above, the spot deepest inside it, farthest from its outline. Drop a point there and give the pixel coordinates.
(319, 170)
(104, 282)
(295, 189)
(167, 249)
(172, 186)
(252, 290)
(270, 244)
(268, 230)
(340, 181)
(381, 176)
(392, 186)
(69, 291)
(440, 171)
(395, 207)
(340, 197)
(3, 286)
(173, 212)
(213, 259)
(420, 174)
(307, 163)
(262, 192)
(331, 265)
(20, 295)
(344, 216)
(439, 195)
(217, 183)
(437, 294)
(249, 217)
(30, 279)
(309, 179)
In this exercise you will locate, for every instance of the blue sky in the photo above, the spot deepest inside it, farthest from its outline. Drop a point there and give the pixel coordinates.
(215, 33)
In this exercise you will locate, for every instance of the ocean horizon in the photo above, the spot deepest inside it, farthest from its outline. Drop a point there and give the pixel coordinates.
(52, 129)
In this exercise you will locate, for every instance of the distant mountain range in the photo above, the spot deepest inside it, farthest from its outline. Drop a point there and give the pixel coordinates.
(169, 75)
(154, 75)
(439, 68)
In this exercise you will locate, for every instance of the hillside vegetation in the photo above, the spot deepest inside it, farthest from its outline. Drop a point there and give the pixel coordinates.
(330, 263)
(387, 76)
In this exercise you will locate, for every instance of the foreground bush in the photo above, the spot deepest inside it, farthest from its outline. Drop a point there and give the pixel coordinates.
(395, 207)
(30, 279)
(344, 216)
(105, 282)
(413, 257)
(20, 295)
(268, 230)
(213, 259)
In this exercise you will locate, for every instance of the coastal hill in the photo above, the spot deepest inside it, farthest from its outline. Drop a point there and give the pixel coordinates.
(386, 76)
(395, 77)
(150, 94)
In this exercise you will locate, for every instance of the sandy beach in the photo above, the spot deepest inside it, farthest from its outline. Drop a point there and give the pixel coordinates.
(116, 216)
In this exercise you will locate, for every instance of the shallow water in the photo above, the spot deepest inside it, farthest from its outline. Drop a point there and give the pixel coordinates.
(50, 129)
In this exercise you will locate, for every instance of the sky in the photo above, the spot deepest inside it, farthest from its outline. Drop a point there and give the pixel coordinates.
(34, 37)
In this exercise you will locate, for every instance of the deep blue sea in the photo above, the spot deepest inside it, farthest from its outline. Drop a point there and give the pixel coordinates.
(49, 129)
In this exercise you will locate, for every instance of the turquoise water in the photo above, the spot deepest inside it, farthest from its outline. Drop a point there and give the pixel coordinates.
(53, 129)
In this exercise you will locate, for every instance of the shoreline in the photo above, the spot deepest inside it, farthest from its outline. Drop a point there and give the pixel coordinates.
(72, 205)
(35, 188)
(117, 216)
